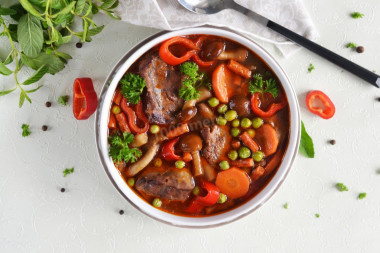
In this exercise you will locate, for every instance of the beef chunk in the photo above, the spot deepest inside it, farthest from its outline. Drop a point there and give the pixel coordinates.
(172, 185)
(162, 83)
(216, 140)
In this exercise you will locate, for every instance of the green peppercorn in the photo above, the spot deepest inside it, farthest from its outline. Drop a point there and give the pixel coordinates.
(235, 123)
(222, 108)
(246, 123)
(231, 115)
(157, 202)
(257, 122)
(179, 164)
(244, 152)
(213, 102)
(222, 198)
(221, 121)
(154, 129)
(233, 155)
(224, 165)
(235, 131)
(258, 156)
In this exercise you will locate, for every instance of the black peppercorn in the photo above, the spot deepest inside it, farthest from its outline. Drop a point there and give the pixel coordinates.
(78, 45)
(333, 142)
(63, 189)
(121, 212)
(48, 104)
(360, 49)
(44, 127)
(378, 99)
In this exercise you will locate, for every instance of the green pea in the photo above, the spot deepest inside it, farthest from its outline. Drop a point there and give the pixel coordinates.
(222, 108)
(257, 122)
(222, 198)
(157, 202)
(179, 164)
(213, 102)
(154, 129)
(258, 156)
(235, 131)
(221, 121)
(224, 165)
(251, 132)
(235, 123)
(131, 182)
(244, 152)
(231, 115)
(196, 190)
(233, 155)
(246, 123)
(116, 109)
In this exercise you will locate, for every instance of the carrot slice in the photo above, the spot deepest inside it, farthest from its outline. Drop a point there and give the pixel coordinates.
(248, 162)
(239, 69)
(220, 78)
(257, 173)
(267, 138)
(249, 142)
(182, 129)
(233, 182)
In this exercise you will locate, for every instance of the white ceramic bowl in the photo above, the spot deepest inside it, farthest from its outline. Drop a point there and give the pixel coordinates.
(102, 121)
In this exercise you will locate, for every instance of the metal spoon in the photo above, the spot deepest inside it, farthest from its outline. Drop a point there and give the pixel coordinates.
(215, 6)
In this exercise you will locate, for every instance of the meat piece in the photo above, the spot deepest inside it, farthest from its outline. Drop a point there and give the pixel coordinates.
(162, 83)
(172, 185)
(217, 139)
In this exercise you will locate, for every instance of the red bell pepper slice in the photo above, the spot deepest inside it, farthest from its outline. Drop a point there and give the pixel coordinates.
(170, 58)
(273, 108)
(199, 202)
(196, 57)
(134, 115)
(320, 104)
(168, 150)
(122, 122)
(85, 99)
(117, 97)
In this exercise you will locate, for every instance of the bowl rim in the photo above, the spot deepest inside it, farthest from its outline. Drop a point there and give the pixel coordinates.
(102, 114)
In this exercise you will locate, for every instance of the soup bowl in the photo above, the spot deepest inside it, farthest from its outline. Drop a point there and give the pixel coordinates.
(102, 117)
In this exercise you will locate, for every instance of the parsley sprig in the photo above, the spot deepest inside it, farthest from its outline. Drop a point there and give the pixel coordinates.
(68, 171)
(351, 45)
(260, 85)
(120, 150)
(132, 85)
(341, 187)
(357, 15)
(25, 130)
(63, 100)
(193, 80)
(310, 68)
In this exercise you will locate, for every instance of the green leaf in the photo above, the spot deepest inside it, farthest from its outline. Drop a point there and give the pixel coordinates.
(29, 8)
(107, 4)
(80, 6)
(66, 39)
(5, 92)
(25, 130)
(7, 11)
(8, 60)
(22, 99)
(4, 70)
(68, 171)
(30, 35)
(65, 10)
(306, 144)
(111, 15)
(20, 11)
(63, 100)
(36, 75)
(362, 195)
(33, 90)
(13, 31)
(52, 61)
(341, 187)
(92, 32)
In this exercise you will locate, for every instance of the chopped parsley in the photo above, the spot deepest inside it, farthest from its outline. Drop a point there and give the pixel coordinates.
(311, 67)
(286, 205)
(357, 15)
(362, 195)
(317, 215)
(351, 45)
(193, 80)
(119, 149)
(68, 171)
(132, 85)
(63, 100)
(261, 86)
(341, 187)
(25, 130)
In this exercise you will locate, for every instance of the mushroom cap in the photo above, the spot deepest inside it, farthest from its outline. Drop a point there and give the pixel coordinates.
(190, 143)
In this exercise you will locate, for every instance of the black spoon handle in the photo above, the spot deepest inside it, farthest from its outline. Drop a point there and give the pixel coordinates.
(354, 68)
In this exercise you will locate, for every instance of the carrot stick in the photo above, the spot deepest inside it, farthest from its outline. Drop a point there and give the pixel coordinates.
(233, 182)
(122, 122)
(257, 173)
(249, 142)
(273, 163)
(182, 129)
(118, 96)
(239, 69)
(187, 157)
(243, 163)
(267, 138)
(112, 122)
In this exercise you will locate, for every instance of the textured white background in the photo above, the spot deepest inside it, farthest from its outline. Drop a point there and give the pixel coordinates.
(36, 217)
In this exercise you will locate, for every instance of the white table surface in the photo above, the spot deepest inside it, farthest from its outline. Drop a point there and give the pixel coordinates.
(36, 217)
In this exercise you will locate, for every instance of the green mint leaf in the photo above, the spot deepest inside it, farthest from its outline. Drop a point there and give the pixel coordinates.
(62, 55)
(357, 15)
(107, 4)
(80, 6)
(20, 11)
(311, 68)
(25, 130)
(52, 61)
(7, 11)
(341, 187)
(351, 45)
(36, 75)
(29, 8)
(33, 90)
(306, 143)
(362, 195)
(65, 10)
(63, 100)
(68, 171)
(4, 70)
(132, 85)
(30, 35)
(5, 92)
(22, 99)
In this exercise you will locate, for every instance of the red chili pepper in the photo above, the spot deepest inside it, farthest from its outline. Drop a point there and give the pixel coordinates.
(131, 115)
(170, 58)
(320, 104)
(196, 57)
(211, 197)
(112, 122)
(273, 108)
(85, 99)
(168, 150)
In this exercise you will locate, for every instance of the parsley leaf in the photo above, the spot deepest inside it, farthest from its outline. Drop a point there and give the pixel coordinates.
(351, 45)
(132, 85)
(357, 15)
(306, 143)
(193, 80)
(68, 171)
(341, 187)
(362, 195)
(261, 86)
(25, 130)
(119, 149)
(63, 100)
(311, 67)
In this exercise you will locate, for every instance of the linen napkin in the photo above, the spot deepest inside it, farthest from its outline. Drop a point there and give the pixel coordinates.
(170, 15)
